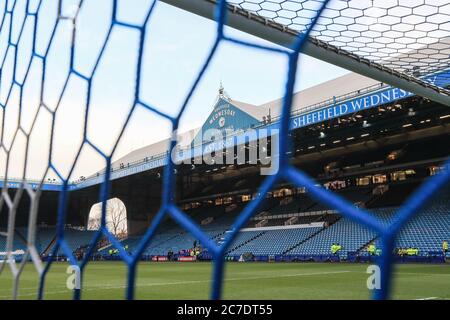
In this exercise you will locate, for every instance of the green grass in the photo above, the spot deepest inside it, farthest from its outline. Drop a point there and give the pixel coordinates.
(106, 280)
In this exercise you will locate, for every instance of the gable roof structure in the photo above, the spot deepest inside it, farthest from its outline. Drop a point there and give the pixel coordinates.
(252, 114)
(333, 88)
(227, 116)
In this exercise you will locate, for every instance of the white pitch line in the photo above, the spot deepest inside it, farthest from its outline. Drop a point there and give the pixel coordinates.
(429, 298)
(112, 287)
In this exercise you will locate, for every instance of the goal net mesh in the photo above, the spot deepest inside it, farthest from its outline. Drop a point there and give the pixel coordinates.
(412, 37)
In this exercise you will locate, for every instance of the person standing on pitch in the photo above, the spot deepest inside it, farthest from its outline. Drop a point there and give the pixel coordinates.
(445, 248)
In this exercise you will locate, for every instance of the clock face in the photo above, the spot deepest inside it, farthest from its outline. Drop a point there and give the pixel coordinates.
(221, 122)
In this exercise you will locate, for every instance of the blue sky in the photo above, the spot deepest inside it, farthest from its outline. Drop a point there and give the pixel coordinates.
(176, 45)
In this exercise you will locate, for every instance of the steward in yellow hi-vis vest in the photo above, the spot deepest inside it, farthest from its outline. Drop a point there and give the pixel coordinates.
(335, 248)
(412, 252)
(371, 249)
(445, 249)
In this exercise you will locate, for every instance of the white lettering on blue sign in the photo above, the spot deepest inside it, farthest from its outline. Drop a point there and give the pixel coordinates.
(349, 107)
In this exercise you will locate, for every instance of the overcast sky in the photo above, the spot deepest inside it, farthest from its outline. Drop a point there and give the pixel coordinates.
(176, 45)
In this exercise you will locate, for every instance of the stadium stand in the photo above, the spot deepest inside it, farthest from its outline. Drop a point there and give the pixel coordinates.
(312, 234)
(346, 233)
(19, 245)
(275, 242)
(426, 231)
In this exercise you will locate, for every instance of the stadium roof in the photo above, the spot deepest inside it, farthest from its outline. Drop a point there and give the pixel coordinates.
(340, 86)
(342, 96)
(303, 100)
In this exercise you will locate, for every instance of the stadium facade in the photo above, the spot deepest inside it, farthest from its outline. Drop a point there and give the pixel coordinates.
(371, 143)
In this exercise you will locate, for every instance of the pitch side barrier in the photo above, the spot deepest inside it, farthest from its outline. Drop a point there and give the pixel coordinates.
(337, 109)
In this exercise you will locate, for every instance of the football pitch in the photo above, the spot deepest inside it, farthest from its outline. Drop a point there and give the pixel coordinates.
(166, 280)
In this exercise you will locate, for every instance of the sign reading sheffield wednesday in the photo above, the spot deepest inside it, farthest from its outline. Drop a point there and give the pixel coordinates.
(362, 103)
(349, 107)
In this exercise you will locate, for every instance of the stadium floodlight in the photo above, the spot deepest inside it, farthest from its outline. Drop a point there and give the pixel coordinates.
(397, 43)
